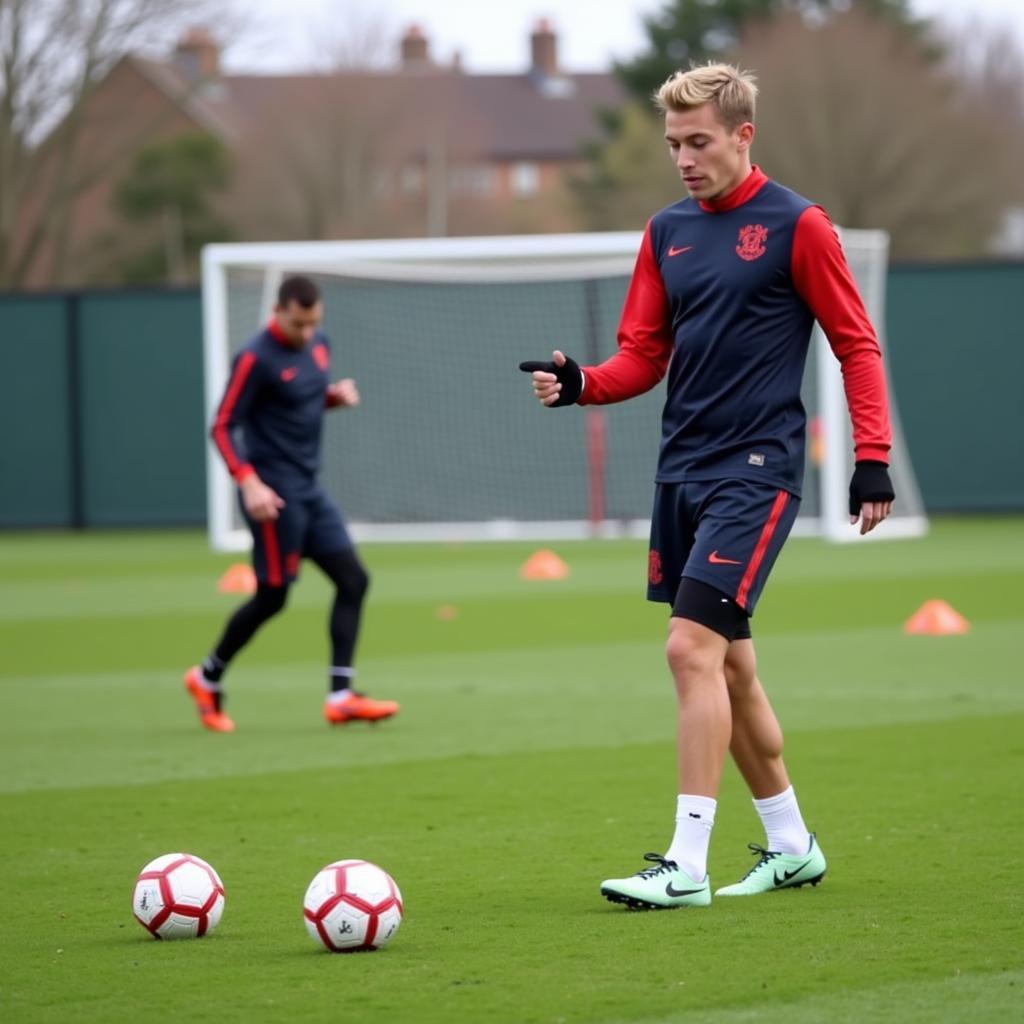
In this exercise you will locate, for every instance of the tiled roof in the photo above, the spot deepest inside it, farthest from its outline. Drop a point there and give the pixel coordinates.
(199, 101)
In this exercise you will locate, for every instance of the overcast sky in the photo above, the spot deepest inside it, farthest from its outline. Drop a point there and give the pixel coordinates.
(291, 34)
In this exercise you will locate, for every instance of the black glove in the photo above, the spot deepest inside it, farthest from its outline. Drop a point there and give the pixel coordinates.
(870, 482)
(570, 376)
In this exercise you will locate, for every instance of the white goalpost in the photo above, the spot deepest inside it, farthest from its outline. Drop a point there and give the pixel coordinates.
(447, 443)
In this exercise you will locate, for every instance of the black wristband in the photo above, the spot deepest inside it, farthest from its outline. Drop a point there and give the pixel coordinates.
(570, 376)
(870, 482)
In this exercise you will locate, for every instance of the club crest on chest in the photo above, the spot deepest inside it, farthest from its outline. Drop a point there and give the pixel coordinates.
(752, 242)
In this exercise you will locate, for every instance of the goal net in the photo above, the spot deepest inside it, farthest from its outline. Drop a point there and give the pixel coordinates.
(448, 442)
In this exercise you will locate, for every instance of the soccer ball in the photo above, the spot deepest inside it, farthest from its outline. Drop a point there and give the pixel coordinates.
(352, 905)
(178, 896)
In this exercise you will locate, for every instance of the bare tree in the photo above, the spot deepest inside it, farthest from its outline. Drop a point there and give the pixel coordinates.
(853, 115)
(986, 59)
(630, 176)
(323, 159)
(52, 54)
(357, 37)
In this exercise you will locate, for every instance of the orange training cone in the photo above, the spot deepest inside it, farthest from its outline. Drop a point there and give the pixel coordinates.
(936, 618)
(238, 579)
(544, 565)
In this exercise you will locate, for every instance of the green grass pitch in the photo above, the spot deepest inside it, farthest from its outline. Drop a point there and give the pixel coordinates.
(533, 757)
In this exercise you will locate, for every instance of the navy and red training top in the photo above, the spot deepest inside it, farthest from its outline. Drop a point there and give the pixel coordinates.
(275, 399)
(723, 297)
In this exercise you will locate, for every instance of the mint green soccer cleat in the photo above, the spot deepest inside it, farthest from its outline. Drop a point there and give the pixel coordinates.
(779, 871)
(664, 887)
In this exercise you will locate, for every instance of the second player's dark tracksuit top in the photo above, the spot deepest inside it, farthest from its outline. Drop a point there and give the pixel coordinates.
(277, 395)
(724, 296)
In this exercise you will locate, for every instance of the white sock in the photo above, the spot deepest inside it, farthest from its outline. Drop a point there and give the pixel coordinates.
(783, 823)
(695, 817)
(336, 674)
(208, 684)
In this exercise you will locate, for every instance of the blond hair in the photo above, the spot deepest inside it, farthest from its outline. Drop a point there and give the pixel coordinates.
(732, 91)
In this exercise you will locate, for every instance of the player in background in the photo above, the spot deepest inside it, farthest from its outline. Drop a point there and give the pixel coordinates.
(267, 428)
(724, 294)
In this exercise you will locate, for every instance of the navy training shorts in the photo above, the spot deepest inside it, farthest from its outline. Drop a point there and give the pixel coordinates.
(307, 527)
(725, 533)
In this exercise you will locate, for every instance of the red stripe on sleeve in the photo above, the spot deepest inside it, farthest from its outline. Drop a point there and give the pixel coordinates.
(273, 553)
(778, 507)
(223, 422)
(645, 337)
(823, 280)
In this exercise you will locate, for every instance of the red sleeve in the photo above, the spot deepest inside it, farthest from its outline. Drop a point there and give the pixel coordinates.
(823, 280)
(645, 338)
(231, 411)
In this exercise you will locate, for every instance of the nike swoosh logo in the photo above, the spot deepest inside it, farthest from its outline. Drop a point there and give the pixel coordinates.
(673, 251)
(290, 374)
(715, 559)
(670, 890)
(787, 875)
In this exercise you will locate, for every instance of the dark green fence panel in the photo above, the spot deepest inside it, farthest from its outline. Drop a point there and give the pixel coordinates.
(142, 409)
(956, 351)
(102, 422)
(36, 471)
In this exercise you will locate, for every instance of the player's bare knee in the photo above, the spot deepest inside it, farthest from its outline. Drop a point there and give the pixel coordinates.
(739, 683)
(693, 653)
(740, 669)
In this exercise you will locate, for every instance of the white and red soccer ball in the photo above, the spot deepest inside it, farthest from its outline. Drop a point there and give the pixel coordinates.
(352, 905)
(178, 896)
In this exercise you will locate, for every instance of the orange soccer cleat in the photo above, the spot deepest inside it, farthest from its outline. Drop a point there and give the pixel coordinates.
(359, 707)
(206, 703)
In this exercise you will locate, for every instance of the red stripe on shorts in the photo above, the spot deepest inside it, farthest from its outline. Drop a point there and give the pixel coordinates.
(778, 507)
(273, 553)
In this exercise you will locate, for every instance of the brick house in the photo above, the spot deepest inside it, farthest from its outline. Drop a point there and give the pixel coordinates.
(422, 149)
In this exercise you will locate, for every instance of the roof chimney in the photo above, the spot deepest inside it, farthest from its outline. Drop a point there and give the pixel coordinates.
(198, 55)
(544, 50)
(415, 51)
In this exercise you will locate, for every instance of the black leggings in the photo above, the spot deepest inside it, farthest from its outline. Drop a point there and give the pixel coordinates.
(351, 582)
